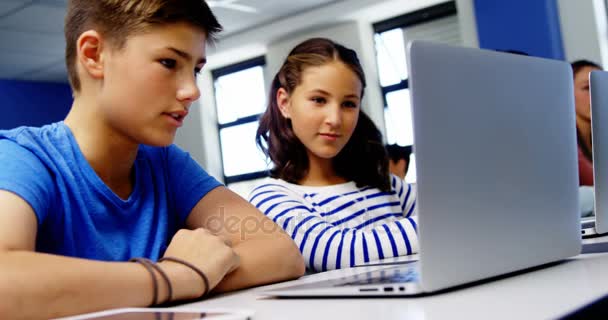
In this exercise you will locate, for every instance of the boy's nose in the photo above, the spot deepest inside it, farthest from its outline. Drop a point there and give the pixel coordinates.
(189, 91)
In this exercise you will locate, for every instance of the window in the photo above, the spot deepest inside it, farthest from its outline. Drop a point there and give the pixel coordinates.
(240, 98)
(438, 23)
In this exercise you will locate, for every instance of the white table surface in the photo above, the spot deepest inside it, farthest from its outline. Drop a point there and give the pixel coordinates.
(547, 293)
(539, 294)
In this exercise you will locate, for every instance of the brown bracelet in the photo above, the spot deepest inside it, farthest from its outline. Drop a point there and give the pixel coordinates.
(191, 266)
(163, 274)
(151, 266)
(150, 269)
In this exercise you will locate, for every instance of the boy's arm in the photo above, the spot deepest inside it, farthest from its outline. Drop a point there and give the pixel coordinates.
(267, 253)
(41, 286)
(56, 285)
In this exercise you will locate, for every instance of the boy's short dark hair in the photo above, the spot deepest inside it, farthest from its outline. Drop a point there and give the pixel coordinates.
(397, 152)
(116, 20)
(580, 64)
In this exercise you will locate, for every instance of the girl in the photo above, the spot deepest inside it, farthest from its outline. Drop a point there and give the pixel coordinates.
(330, 187)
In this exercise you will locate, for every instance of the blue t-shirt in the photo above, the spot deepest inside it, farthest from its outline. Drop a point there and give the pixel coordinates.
(79, 215)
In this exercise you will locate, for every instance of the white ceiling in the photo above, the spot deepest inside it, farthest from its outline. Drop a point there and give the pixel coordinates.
(32, 43)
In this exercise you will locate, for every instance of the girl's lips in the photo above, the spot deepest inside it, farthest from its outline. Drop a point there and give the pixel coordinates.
(330, 136)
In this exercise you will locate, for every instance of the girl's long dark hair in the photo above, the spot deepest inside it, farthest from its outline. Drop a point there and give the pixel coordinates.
(363, 159)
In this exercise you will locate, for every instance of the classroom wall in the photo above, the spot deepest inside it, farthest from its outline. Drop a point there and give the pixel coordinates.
(560, 29)
(582, 25)
(529, 26)
(467, 22)
(256, 42)
(24, 103)
(192, 128)
(346, 21)
(584, 30)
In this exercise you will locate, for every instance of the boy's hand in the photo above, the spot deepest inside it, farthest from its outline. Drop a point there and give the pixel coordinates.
(210, 253)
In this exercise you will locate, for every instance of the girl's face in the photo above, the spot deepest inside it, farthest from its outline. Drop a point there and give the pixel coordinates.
(323, 108)
(581, 93)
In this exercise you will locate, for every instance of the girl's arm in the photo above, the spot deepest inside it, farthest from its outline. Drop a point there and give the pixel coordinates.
(326, 246)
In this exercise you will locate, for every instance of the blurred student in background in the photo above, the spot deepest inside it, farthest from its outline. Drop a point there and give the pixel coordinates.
(581, 70)
(398, 159)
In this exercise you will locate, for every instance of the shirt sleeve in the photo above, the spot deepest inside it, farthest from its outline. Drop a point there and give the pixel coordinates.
(188, 181)
(26, 176)
(326, 246)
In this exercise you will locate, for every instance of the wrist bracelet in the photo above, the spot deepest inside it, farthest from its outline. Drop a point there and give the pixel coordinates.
(151, 266)
(191, 266)
(163, 274)
(148, 267)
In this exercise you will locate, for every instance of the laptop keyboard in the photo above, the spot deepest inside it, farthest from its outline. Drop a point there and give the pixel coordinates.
(401, 274)
(586, 224)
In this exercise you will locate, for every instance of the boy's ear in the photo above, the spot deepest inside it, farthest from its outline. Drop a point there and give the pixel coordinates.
(283, 102)
(89, 49)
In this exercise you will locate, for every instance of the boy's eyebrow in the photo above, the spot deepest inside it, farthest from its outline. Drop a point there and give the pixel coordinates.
(187, 56)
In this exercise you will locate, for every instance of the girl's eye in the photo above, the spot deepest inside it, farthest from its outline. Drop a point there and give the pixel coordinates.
(350, 104)
(168, 63)
(318, 100)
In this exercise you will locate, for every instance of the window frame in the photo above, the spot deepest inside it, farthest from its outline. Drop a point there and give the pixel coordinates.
(223, 71)
(435, 12)
(424, 15)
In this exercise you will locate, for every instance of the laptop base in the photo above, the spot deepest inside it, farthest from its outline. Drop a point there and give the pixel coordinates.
(401, 280)
(588, 229)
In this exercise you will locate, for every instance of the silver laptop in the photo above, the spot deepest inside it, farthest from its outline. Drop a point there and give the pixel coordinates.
(496, 169)
(598, 224)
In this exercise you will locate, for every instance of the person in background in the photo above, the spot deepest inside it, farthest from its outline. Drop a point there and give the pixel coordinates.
(582, 100)
(330, 188)
(82, 197)
(399, 159)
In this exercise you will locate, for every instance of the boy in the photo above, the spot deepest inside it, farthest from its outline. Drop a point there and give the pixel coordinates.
(80, 197)
(399, 159)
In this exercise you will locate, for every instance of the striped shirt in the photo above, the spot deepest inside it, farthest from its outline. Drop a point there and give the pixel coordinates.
(341, 225)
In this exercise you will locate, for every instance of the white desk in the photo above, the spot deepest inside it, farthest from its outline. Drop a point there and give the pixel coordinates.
(540, 294)
(595, 240)
(546, 293)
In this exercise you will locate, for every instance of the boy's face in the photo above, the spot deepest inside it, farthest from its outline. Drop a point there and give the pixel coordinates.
(149, 84)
